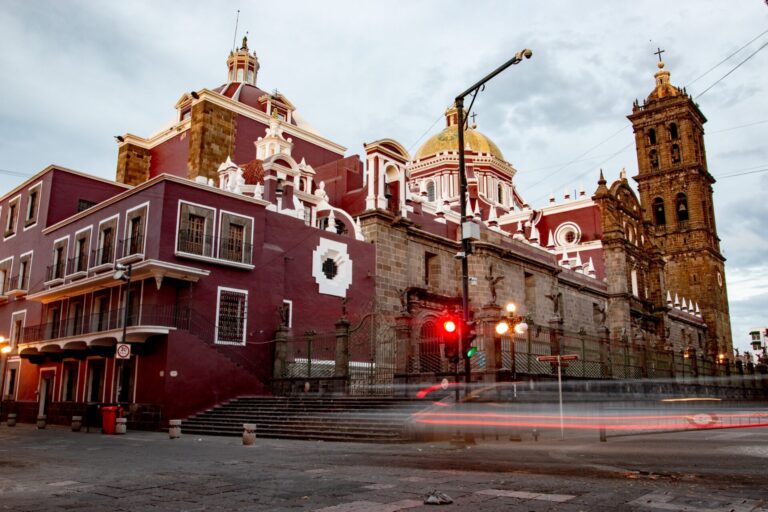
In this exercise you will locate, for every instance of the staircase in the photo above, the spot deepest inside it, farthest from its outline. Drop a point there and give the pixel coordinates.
(372, 420)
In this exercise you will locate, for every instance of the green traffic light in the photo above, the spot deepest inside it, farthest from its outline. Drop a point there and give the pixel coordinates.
(471, 351)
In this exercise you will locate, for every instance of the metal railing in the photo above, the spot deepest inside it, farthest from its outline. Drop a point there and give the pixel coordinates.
(77, 263)
(55, 271)
(229, 249)
(17, 282)
(131, 245)
(147, 315)
(103, 256)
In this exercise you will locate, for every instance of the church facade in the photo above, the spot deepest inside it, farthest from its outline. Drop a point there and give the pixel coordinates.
(254, 257)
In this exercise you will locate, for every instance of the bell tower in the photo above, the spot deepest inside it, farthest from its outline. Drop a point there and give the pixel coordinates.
(676, 194)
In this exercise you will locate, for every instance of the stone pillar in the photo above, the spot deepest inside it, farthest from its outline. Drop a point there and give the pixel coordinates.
(77, 423)
(556, 334)
(281, 353)
(404, 349)
(490, 342)
(341, 368)
(605, 353)
(174, 429)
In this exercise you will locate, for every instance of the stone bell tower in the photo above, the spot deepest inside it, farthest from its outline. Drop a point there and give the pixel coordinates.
(676, 194)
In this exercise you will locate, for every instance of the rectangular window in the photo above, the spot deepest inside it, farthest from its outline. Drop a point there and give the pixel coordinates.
(18, 331)
(100, 317)
(286, 314)
(23, 275)
(84, 204)
(81, 254)
(11, 217)
(75, 320)
(232, 315)
(32, 203)
(95, 375)
(235, 243)
(196, 225)
(530, 293)
(430, 269)
(57, 269)
(10, 388)
(105, 250)
(52, 330)
(135, 223)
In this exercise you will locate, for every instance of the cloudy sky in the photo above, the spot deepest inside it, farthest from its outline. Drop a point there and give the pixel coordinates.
(76, 73)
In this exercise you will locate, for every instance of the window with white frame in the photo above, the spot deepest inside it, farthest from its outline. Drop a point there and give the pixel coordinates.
(231, 316)
(17, 327)
(6, 267)
(105, 252)
(58, 265)
(235, 238)
(286, 314)
(135, 226)
(11, 216)
(196, 225)
(33, 204)
(25, 269)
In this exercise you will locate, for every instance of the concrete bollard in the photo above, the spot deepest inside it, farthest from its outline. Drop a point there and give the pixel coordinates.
(41, 421)
(12, 420)
(77, 423)
(174, 429)
(249, 433)
(121, 426)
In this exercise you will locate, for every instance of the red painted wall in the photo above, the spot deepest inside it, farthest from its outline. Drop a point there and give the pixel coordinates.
(170, 157)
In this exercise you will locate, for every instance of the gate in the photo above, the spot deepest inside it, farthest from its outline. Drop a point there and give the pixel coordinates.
(372, 357)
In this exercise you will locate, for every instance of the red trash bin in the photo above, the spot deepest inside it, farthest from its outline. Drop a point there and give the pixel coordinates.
(108, 415)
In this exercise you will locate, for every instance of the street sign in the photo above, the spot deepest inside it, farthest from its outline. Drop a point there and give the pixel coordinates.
(554, 359)
(123, 351)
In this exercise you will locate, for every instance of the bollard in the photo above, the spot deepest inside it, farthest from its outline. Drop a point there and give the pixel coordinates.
(249, 433)
(535, 434)
(77, 423)
(121, 425)
(12, 420)
(603, 437)
(174, 429)
(41, 421)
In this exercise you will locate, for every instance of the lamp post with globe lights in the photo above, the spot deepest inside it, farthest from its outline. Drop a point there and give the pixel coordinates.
(5, 349)
(511, 321)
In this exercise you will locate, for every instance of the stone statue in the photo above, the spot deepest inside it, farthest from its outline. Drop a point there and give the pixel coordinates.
(403, 300)
(284, 312)
(492, 282)
(556, 297)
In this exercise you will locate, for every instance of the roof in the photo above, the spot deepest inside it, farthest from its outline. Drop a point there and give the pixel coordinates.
(447, 140)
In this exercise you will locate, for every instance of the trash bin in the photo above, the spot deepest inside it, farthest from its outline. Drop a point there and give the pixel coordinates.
(108, 416)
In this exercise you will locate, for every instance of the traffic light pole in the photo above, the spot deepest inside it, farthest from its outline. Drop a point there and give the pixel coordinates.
(465, 247)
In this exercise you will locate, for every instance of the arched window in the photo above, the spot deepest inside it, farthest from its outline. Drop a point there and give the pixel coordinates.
(651, 136)
(654, 157)
(673, 131)
(658, 212)
(681, 207)
(500, 193)
(675, 154)
(431, 191)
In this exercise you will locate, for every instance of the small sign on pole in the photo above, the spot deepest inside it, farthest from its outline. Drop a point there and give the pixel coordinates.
(123, 351)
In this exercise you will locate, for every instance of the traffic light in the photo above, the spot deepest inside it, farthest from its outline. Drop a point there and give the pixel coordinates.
(450, 333)
(471, 334)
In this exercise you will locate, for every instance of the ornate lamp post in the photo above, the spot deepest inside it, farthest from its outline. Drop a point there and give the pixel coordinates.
(510, 321)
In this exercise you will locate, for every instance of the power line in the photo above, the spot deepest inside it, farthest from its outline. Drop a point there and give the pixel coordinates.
(725, 59)
(731, 71)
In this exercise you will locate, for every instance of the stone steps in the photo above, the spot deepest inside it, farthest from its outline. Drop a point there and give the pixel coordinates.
(328, 419)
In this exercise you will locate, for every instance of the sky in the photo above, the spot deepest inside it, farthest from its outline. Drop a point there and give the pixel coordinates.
(75, 74)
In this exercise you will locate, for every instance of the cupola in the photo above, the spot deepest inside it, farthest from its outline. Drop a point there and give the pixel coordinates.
(243, 66)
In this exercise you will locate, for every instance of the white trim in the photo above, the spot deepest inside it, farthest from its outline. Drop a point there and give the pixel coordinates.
(115, 238)
(88, 250)
(135, 377)
(290, 312)
(178, 226)
(38, 185)
(336, 251)
(29, 267)
(8, 275)
(53, 167)
(23, 314)
(40, 382)
(4, 224)
(145, 218)
(235, 214)
(245, 318)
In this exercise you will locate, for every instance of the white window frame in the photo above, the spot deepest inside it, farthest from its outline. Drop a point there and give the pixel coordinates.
(37, 187)
(127, 228)
(8, 275)
(6, 220)
(218, 307)
(23, 314)
(29, 268)
(245, 239)
(100, 241)
(290, 312)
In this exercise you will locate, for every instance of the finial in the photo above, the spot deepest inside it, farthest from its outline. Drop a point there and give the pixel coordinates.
(245, 43)
(658, 52)
(601, 181)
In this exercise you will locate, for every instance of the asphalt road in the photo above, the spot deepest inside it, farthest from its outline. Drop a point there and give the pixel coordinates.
(55, 469)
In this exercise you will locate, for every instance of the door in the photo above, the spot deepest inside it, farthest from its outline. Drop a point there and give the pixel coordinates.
(45, 392)
(95, 378)
(124, 380)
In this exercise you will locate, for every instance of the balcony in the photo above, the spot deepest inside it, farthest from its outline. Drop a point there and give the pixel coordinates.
(104, 328)
(55, 274)
(131, 249)
(103, 259)
(77, 267)
(17, 286)
(233, 252)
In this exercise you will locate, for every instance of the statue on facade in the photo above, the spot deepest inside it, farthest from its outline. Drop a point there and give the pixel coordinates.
(492, 282)
(556, 297)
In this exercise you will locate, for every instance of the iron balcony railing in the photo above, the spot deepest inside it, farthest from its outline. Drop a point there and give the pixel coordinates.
(77, 263)
(131, 245)
(17, 282)
(103, 256)
(147, 315)
(229, 249)
(55, 271)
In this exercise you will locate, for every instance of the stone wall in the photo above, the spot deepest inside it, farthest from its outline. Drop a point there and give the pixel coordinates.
(212, 136)
(132, 164)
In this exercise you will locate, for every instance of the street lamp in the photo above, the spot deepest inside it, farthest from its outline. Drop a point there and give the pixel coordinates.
(510, 320)
(123, 273)
(4, 351)
(465, 228)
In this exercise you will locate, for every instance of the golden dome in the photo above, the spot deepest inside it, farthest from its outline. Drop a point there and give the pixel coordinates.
(447, 140)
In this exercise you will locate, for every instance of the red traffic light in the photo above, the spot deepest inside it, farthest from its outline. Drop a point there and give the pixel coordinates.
(449, 326)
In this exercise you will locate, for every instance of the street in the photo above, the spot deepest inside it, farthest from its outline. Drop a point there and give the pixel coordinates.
(55, 469)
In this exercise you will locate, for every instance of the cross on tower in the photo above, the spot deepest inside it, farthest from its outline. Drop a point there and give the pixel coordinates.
(473, 116)
(658, 52)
